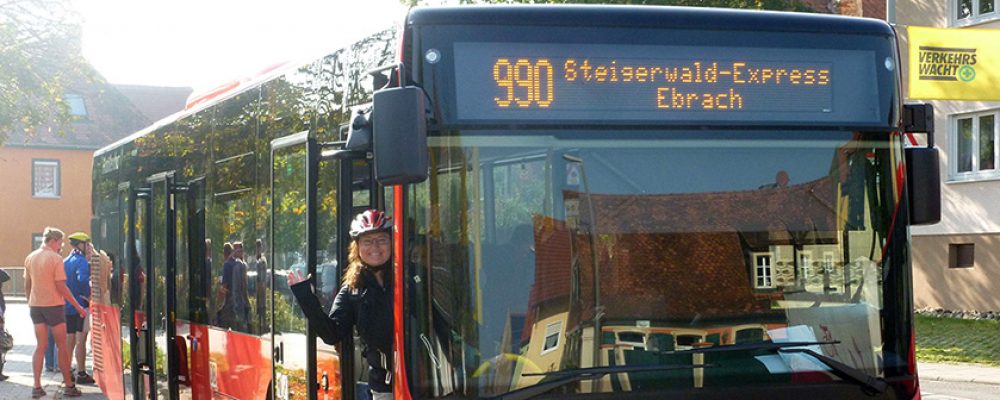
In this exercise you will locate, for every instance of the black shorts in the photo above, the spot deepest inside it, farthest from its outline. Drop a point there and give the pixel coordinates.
(50, 316)
(74, 323)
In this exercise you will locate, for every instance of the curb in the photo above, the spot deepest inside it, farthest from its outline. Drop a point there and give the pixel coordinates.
(963, 379)
(968, 373)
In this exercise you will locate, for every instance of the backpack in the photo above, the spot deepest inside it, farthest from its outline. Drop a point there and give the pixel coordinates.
(6, 341)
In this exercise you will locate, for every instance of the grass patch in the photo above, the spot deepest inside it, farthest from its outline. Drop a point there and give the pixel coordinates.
(951, 340)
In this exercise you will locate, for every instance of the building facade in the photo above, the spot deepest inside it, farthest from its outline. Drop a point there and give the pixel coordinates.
(47, 173)
(957, 261)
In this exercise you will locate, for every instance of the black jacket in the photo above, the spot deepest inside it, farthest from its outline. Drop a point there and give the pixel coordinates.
(368, 309)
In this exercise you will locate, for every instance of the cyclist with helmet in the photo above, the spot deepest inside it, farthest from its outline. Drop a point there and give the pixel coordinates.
(363, 302)
(77, 267)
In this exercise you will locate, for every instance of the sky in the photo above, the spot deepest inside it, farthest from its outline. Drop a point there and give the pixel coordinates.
(205, 43)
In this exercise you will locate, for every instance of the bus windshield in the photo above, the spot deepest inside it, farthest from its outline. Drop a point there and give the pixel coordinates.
(534, 252)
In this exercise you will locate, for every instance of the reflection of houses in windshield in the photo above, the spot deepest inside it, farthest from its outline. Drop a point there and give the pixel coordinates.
(677, 271)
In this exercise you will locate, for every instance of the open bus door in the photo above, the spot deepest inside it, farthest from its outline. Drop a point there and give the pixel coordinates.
(152, 262)
(294, 357)
(314, 197)
(303, 367)
(139, 374)
(316, 190)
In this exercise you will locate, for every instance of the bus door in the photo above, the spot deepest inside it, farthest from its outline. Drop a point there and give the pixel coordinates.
(294, 354)
(155, 288)
(313, 200)
(108, 320)
(192, 284)
(139, 373)
(343, 188)
(186, 300)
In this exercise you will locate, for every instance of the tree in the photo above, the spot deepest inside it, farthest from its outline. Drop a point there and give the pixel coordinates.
(779, 5)
(39, 56)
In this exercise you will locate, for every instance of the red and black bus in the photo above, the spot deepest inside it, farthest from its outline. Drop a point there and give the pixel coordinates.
(588, 201)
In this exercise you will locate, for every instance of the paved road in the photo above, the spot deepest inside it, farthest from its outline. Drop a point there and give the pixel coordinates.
(940, 390)
(18, 366)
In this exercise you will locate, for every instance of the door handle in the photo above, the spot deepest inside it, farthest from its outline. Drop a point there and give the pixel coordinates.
(279, 352)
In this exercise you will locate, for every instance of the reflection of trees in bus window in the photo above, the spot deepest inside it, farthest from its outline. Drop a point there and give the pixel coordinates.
(287, 105)
(520, 191)
(365, 55)
(231, 219)
(139, 261)
(123, 271)
(232, 214)
(330, 85)
(182, 277)
(326, 257)
(289, 203)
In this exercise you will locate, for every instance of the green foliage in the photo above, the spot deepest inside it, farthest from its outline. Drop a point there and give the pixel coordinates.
(39, 59)
(942, 339)
(160, 354)
(126, 355)
(286, 316)
(778, 5)
(519, 191)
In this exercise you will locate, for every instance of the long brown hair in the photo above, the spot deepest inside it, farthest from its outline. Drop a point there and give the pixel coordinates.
(352, 277)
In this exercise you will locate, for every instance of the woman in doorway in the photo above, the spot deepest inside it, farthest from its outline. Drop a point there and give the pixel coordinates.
(364, 300)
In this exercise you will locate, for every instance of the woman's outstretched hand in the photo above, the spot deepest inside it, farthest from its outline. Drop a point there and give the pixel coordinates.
(294, 277)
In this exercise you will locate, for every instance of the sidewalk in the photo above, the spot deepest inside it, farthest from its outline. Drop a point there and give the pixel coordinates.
(976, 373)
(18, 366)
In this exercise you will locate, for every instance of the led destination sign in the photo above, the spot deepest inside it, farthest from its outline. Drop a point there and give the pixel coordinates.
(509, 81)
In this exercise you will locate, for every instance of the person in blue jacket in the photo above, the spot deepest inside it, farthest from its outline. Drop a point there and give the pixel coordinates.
(363, 302)
(77, 269)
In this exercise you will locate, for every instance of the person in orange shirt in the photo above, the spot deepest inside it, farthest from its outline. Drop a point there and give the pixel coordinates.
(45, 284)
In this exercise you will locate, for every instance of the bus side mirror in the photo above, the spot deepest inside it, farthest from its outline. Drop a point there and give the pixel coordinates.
(359, 135)
(923, 171)
(399, 130)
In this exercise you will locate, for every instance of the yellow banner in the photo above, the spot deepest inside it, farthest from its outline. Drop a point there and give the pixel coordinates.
(954, 64)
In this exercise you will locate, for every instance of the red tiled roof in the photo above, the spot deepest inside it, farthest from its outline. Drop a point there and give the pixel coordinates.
(658, 253)
(552, 260)
(110, 116)
(874, 9)
(804, 207)
(869, 8)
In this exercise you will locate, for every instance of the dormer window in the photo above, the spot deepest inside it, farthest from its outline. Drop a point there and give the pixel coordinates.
(77, 107)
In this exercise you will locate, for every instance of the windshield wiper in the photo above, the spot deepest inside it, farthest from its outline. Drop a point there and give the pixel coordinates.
(773, 346)
(580, 374)
(873, 384)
